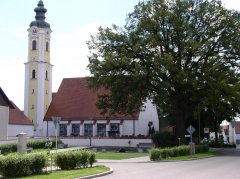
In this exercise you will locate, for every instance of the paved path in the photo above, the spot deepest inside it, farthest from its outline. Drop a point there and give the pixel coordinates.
(226, 166)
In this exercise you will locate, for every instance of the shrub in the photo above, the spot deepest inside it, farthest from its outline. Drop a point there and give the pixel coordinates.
(202, 148)
(8, 148)
(66, 160)
(70, 160)
(164, 153)
(92, 158)
(155, 154)
(38, 162)
(40, 144)
(83, 160)
(16, 165)
(183, 150)
(164, 139)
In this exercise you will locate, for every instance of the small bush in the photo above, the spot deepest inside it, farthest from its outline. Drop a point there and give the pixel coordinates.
(83, 161)
(8, 148)
(41, 144)
(66, 160)
(16, 165)
(38, 162)
(155, 154)
(92, 158)
(183, 150)
(158, 153)
(70, 160)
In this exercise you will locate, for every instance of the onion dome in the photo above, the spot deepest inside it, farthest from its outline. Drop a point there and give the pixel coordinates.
(40, 16)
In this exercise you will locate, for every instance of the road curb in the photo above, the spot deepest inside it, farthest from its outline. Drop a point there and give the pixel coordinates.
(97, 175)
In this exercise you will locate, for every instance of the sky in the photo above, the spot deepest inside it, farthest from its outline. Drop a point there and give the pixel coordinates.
(72, 23)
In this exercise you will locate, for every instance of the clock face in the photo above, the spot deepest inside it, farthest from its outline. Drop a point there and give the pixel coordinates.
(34, 30)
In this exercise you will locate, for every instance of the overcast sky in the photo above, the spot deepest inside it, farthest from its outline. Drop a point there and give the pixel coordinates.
(72, 22)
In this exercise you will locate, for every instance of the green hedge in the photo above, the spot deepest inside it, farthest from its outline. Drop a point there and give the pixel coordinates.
(40, 144)
(72, 159)
(16, 165)
(162, 153)
(35, 144)
(8, 148)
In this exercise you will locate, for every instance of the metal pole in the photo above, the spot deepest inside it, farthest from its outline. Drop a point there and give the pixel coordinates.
(56, 136)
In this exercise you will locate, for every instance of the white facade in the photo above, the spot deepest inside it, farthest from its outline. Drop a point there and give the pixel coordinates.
(104, 142)
(14, 130)
(126, 127)
(4, 119)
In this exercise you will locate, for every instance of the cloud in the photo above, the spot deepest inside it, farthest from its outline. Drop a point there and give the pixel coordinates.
(69, 53)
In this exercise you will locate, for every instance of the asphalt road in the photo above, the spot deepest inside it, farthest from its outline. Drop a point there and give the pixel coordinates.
(226, 166)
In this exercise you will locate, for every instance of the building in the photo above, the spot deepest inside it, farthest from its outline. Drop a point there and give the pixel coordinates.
(74, 102)
(5, 106)
(234, 132)
(38, 70)
(76, 105)
(12, 120)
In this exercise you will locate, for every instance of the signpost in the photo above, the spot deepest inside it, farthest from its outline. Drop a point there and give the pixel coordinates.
(191, 130)
(206, 130)
(56, 121)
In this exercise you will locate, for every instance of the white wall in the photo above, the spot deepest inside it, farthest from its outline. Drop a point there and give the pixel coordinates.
(129, 127)
(4, 118)
(149, 114)
(232, 135)
(105, 142)
(14, 130)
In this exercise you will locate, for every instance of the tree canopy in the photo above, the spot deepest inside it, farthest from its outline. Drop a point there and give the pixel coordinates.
(181, 54)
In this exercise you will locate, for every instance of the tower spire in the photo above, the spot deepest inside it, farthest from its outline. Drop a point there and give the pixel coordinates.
(40, 16)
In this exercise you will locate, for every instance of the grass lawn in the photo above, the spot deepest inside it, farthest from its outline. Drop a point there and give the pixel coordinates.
(195, 156)
(119, 155)
(69, 174)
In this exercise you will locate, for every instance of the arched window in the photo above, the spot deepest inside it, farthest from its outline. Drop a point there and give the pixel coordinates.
(46, 75)
(34, 45)
(33, 74)
(47, 46)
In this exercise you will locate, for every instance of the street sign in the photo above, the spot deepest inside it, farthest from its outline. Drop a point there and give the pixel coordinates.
(191, 129)
(187, 135)
(206, 130)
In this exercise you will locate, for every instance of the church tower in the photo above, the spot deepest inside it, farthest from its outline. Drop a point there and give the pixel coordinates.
(38, 70)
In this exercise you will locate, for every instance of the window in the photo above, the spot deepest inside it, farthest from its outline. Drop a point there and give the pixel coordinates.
(46, 91)
(32, 106)
(63, 129)
(33, 74)
(32, 91)
(46, 75)
(47, 46)
(75, 129)
(88, 129)
(101, 129)
(34, 45)
(114, 129)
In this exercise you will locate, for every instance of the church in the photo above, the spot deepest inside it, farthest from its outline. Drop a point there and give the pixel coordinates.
(74, 105)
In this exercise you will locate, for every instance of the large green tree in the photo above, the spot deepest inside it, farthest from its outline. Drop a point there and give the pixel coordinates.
(181, 54)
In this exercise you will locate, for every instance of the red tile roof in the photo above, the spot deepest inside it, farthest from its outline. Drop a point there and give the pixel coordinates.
(4, 99)
(16, 116)
(74, 101)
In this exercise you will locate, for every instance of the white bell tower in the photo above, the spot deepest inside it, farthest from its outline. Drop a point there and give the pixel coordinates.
(38, 70)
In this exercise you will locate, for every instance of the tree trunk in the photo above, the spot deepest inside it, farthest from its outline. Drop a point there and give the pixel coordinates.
(216, 127)
(180, 126)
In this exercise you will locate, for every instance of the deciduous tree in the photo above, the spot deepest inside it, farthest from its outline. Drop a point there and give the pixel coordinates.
(181, 54)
